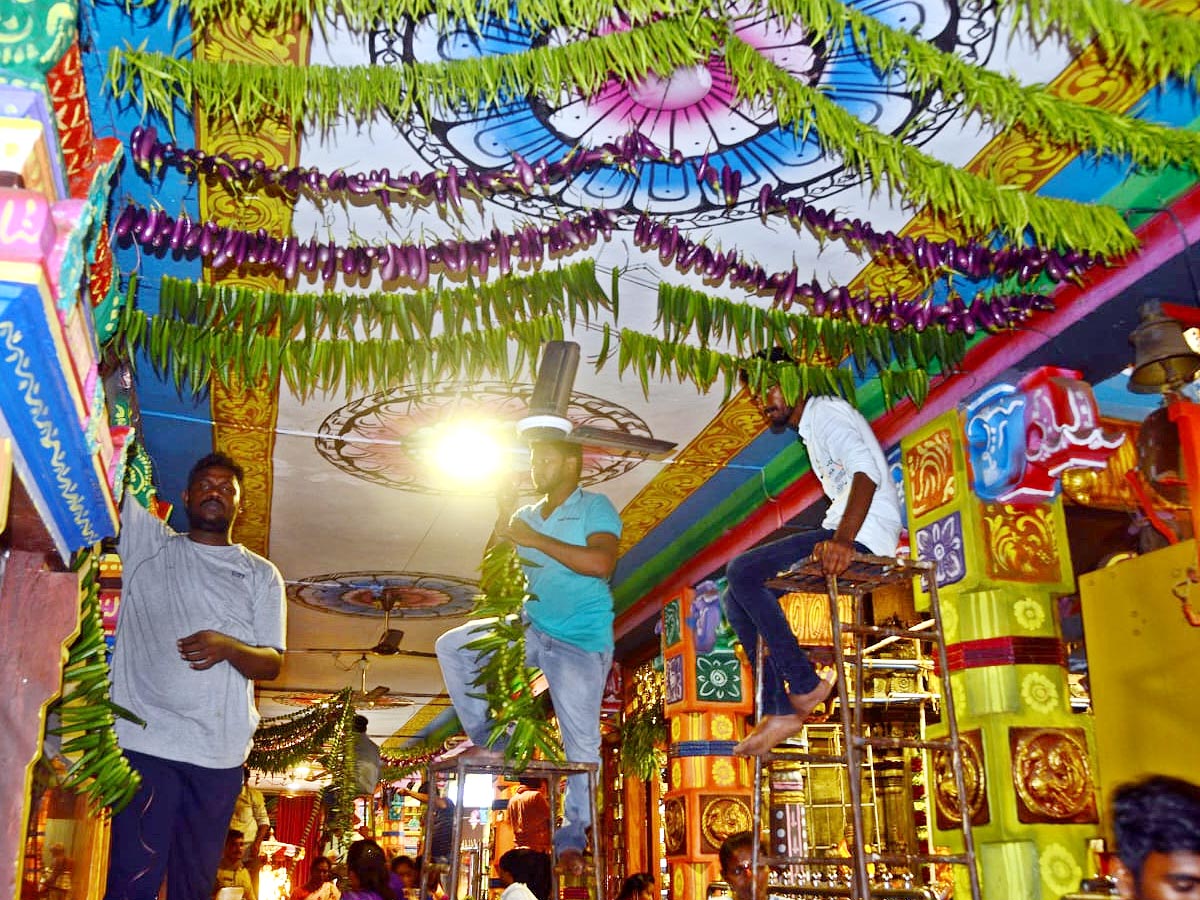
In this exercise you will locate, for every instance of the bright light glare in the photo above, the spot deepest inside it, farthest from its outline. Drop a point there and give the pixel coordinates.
(469, 452)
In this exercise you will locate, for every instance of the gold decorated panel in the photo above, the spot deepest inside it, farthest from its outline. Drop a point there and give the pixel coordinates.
(808, 617)
(945, 792)
(1052, 776)
(1020, 543)
(722, 815)
(245, 416)
(929, 473)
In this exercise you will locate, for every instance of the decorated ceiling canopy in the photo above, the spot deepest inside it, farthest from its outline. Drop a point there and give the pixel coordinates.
(651, 125)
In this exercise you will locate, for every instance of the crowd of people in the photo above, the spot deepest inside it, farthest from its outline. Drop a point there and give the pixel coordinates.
(203, 617)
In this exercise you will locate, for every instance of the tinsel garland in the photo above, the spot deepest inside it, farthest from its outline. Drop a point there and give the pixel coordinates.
(449, 189)
(322, 733)
(85, 713)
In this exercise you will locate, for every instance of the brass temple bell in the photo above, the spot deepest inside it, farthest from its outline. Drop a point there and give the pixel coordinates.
(1162, 359)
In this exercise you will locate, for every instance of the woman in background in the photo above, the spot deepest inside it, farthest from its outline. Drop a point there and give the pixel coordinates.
(368, 870)
(320, 884)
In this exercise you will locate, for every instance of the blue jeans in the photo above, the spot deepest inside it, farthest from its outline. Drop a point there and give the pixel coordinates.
(753, 609)
(175, 824)
(576, 678)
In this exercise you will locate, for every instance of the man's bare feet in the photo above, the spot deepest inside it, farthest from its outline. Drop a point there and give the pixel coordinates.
(769, 733)
(804, 704)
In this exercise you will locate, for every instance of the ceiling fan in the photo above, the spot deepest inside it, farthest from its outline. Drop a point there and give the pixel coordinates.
(387, 645)
(547, 417)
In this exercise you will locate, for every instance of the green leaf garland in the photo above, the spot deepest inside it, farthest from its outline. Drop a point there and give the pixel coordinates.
(518, 716)
(980, 205)
(322, 95)
(684, 312)
(571, 292)
(85, 713)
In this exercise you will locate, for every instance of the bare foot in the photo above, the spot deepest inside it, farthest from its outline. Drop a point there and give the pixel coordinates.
(483, 755)
(804, 704)
(769, 733)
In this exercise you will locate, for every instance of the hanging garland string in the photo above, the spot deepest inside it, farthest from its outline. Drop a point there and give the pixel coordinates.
(518, 716)
(156, 231)
(448, 189)
(978, 204)
(1004, 100)
(324, 95)
(397, 765)
(246, 92)
(644, 732)
(684, 312)
(191, 355)
(570, 293)
(1150, 39)
(223, 246)
(322, 733)
(85, 713)
(654, 357)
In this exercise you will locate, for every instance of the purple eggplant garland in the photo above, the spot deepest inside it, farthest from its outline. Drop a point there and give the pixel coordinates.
(973, 259)
(221, 246)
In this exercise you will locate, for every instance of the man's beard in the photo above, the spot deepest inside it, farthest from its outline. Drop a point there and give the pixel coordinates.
(216, 525)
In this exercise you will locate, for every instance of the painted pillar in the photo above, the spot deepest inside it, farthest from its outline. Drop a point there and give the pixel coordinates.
(980, 490)
(707, 700)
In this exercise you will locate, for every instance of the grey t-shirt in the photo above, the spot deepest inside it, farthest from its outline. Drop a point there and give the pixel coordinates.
(174, 587)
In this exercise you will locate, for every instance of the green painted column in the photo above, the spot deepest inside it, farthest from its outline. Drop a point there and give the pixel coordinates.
(1029, 760)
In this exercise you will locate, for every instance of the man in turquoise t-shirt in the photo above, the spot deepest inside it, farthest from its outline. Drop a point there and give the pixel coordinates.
(568, 548)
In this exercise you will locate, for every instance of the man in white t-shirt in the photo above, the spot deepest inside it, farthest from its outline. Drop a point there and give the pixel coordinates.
(864, 516)
(201, 618)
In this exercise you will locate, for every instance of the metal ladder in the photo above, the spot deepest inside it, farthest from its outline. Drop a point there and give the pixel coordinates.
(552, 772)
(866, 573)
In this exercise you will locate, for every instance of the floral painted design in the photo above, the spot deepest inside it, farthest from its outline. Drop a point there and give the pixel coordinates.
(723, 773)
(1039, 693)
(718, 679)
(1029, 614)
(694, 112)
(1060, 870)
(942, 542)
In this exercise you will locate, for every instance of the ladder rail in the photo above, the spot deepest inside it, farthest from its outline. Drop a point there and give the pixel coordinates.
(866, 573)
(964, 803)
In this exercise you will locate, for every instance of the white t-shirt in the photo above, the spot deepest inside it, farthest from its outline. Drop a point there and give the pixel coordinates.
(174, 587)
(840, 443)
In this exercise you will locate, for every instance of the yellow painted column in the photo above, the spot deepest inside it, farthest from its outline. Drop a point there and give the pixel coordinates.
(707, 698)
(244, 416)
(1029, 760)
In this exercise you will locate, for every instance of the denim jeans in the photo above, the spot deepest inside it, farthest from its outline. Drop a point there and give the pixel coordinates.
(576, 678)
(753, 609)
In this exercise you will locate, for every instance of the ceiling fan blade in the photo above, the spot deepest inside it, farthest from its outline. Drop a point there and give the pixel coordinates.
(380, 690)
(555, 379)
(620, 440)
(547, 417)
(389, 642)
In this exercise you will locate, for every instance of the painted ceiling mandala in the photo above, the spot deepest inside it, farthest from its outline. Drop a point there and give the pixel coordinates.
(695, 111)
(385, 437)
(414, 595)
